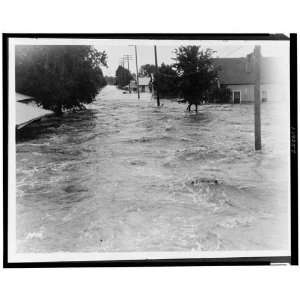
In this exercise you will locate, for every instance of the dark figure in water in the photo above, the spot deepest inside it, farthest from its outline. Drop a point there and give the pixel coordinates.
(195, 101)
(189, 107)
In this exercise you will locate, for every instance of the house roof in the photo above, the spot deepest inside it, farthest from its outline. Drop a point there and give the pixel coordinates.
(22, 97)
(240, 71)
(26, 113)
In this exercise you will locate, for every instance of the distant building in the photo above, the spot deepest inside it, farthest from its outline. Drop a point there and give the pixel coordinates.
(144, 84)
(238, 75)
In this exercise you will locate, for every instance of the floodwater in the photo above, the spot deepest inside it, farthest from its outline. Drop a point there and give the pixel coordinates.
(125, 175)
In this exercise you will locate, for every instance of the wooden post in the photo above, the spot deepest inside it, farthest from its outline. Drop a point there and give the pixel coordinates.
(137, 72)
(156, 67)
(128, 71)
(257, 100)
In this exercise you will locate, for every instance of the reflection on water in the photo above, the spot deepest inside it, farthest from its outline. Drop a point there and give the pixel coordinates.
(124, 175)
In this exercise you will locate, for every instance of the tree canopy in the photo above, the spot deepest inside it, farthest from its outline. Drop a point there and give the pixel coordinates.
(193, 76)
(196, 72)
(60, 77)
(166, 81)
(147, 70)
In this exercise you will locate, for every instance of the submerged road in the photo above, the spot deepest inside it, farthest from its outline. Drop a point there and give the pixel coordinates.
(125, 175)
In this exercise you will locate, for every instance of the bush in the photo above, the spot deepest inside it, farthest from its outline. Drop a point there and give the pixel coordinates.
(220, 95)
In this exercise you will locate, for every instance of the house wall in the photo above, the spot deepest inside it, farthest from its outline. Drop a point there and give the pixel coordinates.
(273, 92)
(247, 91)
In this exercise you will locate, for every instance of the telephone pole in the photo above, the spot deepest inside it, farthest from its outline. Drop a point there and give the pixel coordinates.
(156, 67)
(128, 58)
(137, 70)
(257, 101)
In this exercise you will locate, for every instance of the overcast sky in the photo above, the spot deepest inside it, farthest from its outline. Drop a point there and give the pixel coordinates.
(115, 50)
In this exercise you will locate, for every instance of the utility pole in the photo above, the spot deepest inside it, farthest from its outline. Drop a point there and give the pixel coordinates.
(137, 70)
(121, 62)
(156, 67)
(257, 101)
(127, 57)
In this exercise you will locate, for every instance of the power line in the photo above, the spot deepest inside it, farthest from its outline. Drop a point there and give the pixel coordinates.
(127, 57)
(137, 69)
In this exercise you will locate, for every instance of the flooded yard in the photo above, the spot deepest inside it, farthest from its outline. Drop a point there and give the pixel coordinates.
(125, 175)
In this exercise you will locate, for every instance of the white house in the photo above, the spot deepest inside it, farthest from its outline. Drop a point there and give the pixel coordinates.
(238, 75)
(144, 84)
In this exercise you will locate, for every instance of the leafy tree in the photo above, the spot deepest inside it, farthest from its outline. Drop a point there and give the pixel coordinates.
(123, 77)
(196, 72)
(147, 70)
(166, 81)
(60, 77)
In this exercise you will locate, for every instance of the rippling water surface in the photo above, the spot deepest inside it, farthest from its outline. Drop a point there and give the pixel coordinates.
(124, 175)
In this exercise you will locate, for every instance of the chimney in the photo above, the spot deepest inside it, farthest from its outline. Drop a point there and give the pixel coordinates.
(249, 62)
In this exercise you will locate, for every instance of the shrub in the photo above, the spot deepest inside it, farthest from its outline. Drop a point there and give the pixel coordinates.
(220, 95)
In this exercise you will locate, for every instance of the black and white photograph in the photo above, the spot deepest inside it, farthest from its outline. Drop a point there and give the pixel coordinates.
(136, 148)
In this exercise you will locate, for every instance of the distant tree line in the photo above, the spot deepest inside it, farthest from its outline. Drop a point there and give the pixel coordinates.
(123, 77)
(60, 77)
(147, 70)
(111, 80)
